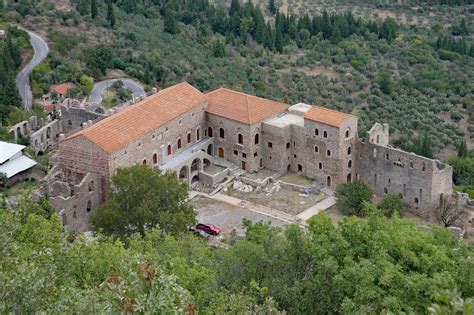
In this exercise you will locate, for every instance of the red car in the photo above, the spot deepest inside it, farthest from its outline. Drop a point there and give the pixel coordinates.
(208, 228)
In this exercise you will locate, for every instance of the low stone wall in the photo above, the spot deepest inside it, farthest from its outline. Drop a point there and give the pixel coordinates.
(212, 179)
(255, 182)
(295, 187)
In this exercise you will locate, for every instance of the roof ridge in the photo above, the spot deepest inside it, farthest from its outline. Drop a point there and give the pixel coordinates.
(248, 107)
(244, 94)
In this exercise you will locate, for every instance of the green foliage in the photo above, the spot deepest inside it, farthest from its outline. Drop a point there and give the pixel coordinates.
(110, 13)
(17, 115)
(351, 196)
(142, 198)
(385, 81)
(463, 168)
(218, 49)
(390, 205)
(421, 146)
(86, 84)
(94, 10)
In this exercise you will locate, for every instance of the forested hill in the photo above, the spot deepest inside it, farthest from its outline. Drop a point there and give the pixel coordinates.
(418, 79)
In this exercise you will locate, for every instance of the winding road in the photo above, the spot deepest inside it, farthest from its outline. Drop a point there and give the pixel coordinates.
(98, 90)
(41, 50)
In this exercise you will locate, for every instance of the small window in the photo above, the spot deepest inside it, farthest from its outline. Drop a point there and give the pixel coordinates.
(188, 138)
(255, 154)
(411, 164)
(387, 156)
(144, 162)
(349, 150)
(300, 168)
(270, 145)
(320, 165)
(222, 133)
(349, 164)
(74, 215)
(168, 150)
(316, 149)
(316, 132)
(294, 155)
(347, 133)
(240, 138)
(244, 155)
(415, 200)
(257, 138)
(287, 145)
(209, 132)
(178, 144)
(155, 158)
(235, 152)
(91, 185)
(328, 152)
(385, 190)
(325, 134)
(423, 167)
(294, 144)
(89, 206)
(197, 134)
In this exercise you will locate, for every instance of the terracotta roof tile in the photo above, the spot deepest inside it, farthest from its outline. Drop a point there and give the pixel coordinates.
(327, 116)
(62, 88)
(116, 131)
(242, 107)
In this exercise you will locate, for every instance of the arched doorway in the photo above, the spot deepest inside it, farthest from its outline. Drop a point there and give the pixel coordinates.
(209, 132)
(206, 163)
(195, 179)
(221, 153)
(210, 149)
(328, 181)
(349, 177)
(196, 165)
(184, 173)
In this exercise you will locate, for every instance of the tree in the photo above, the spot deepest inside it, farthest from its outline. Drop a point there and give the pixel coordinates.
(391, 204)
(110, 13)
(169, 15)
(450, 211)
(94, 10)
(462, 149)
(218, 49)
(141, 198)
(272, 7)
(385, 81)
(350, 197)
(86, 83)
(389, 29)
(426, 147)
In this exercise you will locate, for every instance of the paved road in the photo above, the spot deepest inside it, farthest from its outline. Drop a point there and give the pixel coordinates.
(22, 81)
(99, 88)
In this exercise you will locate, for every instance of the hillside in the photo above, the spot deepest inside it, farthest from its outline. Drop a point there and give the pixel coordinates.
(418, 77)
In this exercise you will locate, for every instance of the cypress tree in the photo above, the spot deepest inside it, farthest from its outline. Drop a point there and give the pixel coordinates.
(462, 150)
(426, 149)
(272, 7)
(94, 10)
(110, 14)
(170, 24)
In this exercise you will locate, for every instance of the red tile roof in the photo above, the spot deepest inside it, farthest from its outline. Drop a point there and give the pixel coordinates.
(116, 131)
(242, 107)
(62, 88)
(327, 116)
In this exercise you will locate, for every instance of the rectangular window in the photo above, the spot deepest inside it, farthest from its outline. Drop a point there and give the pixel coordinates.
(244, 155)
(235, 152)
(270, 145)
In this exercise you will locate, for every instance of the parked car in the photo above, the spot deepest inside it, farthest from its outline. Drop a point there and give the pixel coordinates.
(208, 228)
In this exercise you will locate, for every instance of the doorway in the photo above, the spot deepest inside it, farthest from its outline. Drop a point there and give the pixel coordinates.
(221, 153)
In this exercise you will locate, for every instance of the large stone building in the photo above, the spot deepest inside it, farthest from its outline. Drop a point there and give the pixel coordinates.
(183, 130)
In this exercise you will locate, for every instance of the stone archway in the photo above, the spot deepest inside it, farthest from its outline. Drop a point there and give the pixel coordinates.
(195, 179)
(196, 165)
(183, 174)
(210, 149)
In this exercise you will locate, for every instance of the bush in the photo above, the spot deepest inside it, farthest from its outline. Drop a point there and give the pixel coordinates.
(351, 196)
(390, 205)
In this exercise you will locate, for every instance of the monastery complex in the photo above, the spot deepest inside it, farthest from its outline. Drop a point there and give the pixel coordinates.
(183, 130)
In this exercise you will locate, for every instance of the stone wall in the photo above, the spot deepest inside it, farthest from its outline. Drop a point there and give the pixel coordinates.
(72, 118)
(246, 155)
(276, 147)
(419, 181)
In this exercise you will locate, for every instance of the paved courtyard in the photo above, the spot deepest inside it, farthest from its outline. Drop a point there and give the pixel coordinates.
(227, 216)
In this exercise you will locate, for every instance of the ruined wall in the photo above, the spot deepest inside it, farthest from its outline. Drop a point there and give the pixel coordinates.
(248, 152)
(419, 181)
(72, 118)
(44, 137)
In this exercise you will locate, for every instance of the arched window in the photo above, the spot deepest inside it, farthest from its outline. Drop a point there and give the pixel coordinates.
(155, 158)
(423, 167)
(349, 164)
(415, 200)
(328, 181)
(144, 162)
(221, 133)
(328, 152)
(387, 157)
(197, 134)
(316, 149)
(325, 134)
(209, 132)
(257, 136)
(178, 143)
(240, 138)
(347, 133)
(74, 215)
(89, 206)
(385, 190)
(316, 132)
(349, 150)
(349, 177)
(188, 138)
(168, 150)
(320, 165)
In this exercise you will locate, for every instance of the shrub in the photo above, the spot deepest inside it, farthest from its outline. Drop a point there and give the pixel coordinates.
(390, 205)
(351, 196)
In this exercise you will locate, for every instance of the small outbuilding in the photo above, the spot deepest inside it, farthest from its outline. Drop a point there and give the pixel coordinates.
(14, 165)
